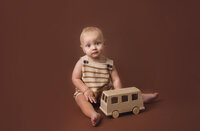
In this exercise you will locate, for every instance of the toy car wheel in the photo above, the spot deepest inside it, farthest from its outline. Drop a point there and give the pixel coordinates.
(115, 114)
(136, 110)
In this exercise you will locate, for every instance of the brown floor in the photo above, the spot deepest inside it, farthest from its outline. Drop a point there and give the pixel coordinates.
(155, 45)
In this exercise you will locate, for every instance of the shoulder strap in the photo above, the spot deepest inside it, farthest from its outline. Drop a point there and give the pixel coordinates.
(109, 63)
(84, 59)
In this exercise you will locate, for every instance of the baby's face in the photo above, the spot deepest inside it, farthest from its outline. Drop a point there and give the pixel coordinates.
(92, 44)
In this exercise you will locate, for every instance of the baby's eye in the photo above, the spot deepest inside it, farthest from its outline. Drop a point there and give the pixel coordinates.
(88, 45)
(98, 43)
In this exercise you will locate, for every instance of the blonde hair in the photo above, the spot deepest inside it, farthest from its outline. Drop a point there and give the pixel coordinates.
(91, 29)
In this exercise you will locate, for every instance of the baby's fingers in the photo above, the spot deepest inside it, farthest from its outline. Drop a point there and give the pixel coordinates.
(92, 99)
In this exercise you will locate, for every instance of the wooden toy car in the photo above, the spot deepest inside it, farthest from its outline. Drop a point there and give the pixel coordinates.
(121, 100)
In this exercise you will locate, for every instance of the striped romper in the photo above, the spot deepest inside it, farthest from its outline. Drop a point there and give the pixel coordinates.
(97, 76)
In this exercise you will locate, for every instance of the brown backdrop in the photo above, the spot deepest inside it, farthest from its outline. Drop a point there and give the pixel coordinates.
(155, 45)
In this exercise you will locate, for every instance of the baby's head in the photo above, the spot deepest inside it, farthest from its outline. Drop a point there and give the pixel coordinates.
(92, 41)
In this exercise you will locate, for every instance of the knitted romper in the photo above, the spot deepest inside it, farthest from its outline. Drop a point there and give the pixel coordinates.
(97, 76)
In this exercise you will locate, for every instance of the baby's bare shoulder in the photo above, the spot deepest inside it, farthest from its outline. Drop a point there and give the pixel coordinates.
(77, 70)
(78, 63)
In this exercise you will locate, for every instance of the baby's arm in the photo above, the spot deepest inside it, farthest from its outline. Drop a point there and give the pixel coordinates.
(115, 79)
(76, 79)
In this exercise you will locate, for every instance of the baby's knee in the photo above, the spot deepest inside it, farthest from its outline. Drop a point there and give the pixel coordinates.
(80, 98)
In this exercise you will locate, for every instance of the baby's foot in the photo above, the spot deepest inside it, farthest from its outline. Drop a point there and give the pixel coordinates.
(95, 119)
(150, 97)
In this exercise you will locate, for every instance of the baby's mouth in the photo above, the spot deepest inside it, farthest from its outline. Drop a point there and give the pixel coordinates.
(96, 52)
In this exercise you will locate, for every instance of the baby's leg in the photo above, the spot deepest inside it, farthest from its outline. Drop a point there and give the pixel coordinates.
(88, 109)
(149, 97)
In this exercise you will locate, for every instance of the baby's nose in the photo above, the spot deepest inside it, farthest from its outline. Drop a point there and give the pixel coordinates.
(94, 47)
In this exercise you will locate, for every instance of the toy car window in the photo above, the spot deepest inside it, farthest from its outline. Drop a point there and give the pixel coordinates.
(124, 98)
(105, 98)
(114, 100)
(134, 96)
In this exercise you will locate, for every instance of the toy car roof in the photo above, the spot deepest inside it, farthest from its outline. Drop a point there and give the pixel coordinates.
(121, 91)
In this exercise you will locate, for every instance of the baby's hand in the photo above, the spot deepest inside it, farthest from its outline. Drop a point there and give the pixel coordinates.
(89, 96)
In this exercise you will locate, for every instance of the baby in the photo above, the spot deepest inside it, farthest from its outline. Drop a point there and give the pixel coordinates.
(94, 73)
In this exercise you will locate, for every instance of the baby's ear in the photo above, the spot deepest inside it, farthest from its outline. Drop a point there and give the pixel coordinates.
(81, 45)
